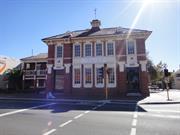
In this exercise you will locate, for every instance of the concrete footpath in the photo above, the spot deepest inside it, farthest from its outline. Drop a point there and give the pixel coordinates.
(156, 97)
(160, 97)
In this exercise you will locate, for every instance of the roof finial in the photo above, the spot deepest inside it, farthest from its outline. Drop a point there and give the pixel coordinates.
(95, 13)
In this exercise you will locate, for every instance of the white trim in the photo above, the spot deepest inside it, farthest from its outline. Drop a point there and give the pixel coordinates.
(98, 85)
(99, 42)
(84, 47)
(135, 48)
(59, 61)
(109, 41)
(73, 81)
(49, 68)
(112, 85)
(76, 44)
(121, 66)
(143, 65)
(84, 80)
(67, 67)
(131, 59)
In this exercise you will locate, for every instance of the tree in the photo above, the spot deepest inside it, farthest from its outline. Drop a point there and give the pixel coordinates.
(15, 79)
(152, 70)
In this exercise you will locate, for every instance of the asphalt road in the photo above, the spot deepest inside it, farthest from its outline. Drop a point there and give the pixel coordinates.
(78, 118)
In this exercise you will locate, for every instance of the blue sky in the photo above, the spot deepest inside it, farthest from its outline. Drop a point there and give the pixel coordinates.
(24, 23)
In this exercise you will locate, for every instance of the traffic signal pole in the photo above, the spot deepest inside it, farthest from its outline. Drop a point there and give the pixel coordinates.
(105, 81)
(166, 80)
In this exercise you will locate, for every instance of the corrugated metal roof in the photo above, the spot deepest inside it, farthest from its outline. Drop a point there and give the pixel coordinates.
(36, 57)
(96, 32)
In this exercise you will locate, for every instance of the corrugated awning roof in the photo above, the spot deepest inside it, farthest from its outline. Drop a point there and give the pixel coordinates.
(42, 56)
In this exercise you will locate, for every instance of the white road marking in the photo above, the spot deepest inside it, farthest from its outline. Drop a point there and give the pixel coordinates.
(78, 116)
(134, 122)
(133, 131)
(49, 132)
(22, 110)
(86, 111)
(62, 125)
(135, 115)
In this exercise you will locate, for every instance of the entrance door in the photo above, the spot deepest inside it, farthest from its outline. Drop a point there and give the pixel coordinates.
(133, 79)
(59, 83)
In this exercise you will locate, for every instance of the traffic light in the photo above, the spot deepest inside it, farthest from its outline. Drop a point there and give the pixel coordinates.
(166, 73)
(101, 72)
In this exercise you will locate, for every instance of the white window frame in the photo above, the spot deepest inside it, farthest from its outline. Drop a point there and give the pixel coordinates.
(73, 80)
(113, 48)
(102, 49)
(98, 85)
(135, 48)
(84, 48)
(76, 44)
(62, 51)
(56, 63)
(90, 85)
(112, 85)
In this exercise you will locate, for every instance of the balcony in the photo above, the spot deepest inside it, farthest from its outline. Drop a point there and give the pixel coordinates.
(41, 72)
(35, 72)
(29, 72)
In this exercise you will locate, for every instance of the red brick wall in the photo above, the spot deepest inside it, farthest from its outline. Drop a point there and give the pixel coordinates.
(50, 82)
(121, 83)
(140, 45)
(120, 47)
(141, 58)
(68, 53)
(51, 53)
(144, 83)
(67, 50)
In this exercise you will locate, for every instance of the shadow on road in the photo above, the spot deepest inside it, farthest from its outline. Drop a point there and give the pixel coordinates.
(61, 107)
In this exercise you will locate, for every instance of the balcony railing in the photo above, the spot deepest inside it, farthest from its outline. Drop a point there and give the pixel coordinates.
(35, 72)
(29, 72)
(41, 72)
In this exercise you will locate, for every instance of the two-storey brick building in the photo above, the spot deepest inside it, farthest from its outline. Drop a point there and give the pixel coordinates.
(75, 60)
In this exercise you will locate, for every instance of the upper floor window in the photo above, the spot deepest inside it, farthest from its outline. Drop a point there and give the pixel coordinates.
(59, 51)
(99, 49)
(88, 50)
(77, 51)
(110, 49)
(130, 47)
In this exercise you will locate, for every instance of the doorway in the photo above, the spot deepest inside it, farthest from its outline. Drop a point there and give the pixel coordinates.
(133, 79)
(59, 83)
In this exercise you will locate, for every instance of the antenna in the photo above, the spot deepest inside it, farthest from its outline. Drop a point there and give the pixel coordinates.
(95, 13)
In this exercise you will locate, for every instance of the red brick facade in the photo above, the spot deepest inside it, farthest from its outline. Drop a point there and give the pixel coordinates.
(65, 73)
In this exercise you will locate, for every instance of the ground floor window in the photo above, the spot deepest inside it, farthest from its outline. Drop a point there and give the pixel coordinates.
(111, 76)
(88, 76)
(77, 76)
(99, 77)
